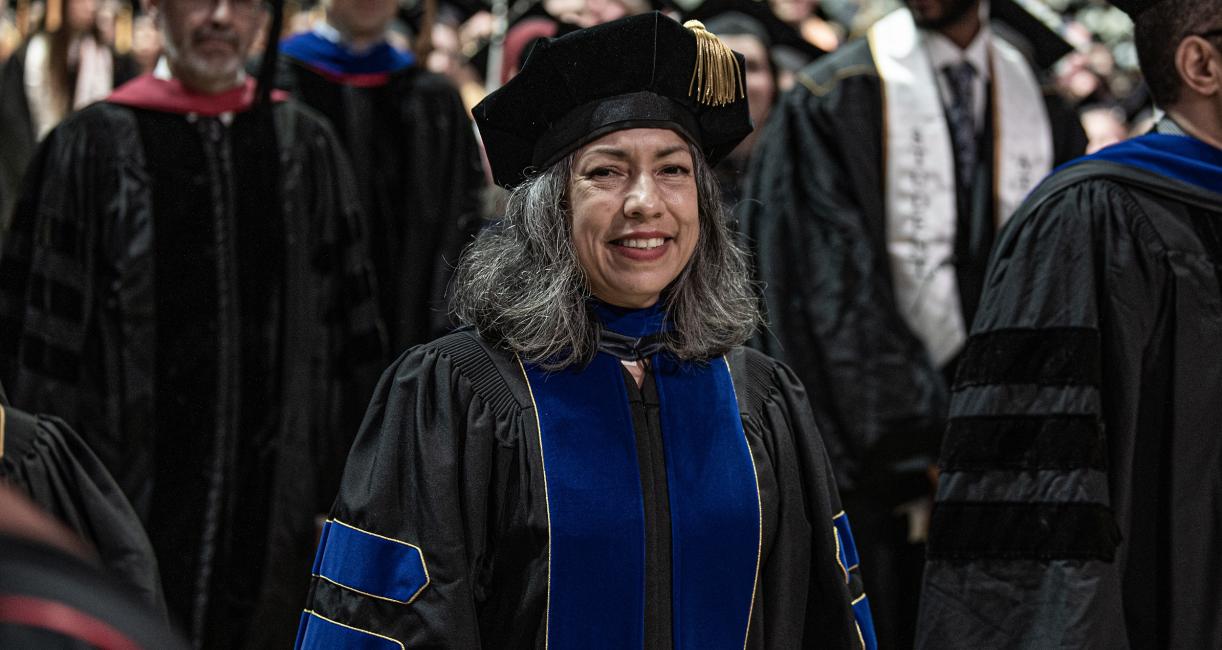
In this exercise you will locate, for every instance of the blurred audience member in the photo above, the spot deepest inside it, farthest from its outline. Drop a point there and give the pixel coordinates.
(62, 67)
(1104, 125)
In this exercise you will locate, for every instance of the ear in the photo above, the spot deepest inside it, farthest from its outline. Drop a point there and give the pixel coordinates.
(1199, 65)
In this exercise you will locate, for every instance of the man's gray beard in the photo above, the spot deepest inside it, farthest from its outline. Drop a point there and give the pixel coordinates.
(197, 69)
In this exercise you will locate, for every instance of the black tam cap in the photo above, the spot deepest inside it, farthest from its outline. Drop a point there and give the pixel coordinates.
(644, 71)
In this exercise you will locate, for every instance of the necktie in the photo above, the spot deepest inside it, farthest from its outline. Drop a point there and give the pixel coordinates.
(961, 115)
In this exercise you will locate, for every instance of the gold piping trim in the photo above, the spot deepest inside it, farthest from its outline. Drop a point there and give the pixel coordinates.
(356, 629)
(427, 579)
(759, 548)
(819, 90)
(547, 615)
(1, 431)
(836, 534)
(838, 515)
(858, 600)
(860, 637)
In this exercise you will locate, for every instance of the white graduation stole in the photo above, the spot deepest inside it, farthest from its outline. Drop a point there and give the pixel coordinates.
(919, 171)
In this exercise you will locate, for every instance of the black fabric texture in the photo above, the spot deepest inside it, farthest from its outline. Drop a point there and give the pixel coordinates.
(1048, 357)
(48, 463)
(1023, 442)
(419, 179)
(553, 104)
(172, 237)
(29, 569)
(1042, 531)
(813, 216)
(1108, 275)
(449, 459)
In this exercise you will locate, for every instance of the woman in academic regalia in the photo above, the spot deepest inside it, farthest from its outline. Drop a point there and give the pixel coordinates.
(595, 462)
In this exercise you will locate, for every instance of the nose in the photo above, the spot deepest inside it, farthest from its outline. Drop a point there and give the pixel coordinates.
(643, 200)
(222, 12)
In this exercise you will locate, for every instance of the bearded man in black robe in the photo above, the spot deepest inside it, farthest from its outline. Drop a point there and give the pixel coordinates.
(186, 286)
(872, 204)
(412, 146)
(1078, 505)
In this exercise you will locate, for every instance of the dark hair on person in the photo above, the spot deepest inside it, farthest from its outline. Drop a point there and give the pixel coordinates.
(1157, 34)
(520, 283)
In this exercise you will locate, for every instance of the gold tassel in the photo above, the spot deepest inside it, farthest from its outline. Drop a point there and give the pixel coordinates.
(124, 29)
(717, 79)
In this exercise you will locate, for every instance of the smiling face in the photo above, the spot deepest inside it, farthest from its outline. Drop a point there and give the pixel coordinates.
(636, 218)
(206, 41)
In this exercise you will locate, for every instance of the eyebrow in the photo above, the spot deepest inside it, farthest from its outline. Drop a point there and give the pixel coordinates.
(622, 154)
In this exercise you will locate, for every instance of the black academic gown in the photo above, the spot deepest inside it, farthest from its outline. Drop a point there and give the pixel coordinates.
(52, 599)
(1079, 501)
(194, 299)
(814, 219)
(448, 460)
(46, 461)
(419, 179)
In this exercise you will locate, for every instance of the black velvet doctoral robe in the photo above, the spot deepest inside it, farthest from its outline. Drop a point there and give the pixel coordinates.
(448, 461)
(47, 462)
(1079, 503)
(814, 217)
(194, 298)
(419, 179)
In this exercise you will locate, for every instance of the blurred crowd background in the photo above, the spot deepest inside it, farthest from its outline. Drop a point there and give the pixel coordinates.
(456, 38)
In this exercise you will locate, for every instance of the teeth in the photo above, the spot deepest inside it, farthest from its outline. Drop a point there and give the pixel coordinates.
(642, 243)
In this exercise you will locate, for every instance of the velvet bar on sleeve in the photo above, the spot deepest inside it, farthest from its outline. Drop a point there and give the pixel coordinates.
(1077, 506)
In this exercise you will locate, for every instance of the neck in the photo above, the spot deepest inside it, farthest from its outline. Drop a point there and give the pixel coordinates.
(1200, 120)
(964, 30)
(357, 42)
(207, 85)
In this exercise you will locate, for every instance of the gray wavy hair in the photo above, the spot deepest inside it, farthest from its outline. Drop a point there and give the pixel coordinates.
(520, 283)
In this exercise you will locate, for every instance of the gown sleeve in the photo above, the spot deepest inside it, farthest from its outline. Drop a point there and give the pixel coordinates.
(401, 558)
(1023, 547)
(830, 312)
(44, 459)
(810, 592)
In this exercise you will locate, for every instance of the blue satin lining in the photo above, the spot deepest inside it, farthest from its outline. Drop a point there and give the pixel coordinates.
(317, 633)
(595, 505)
(596, 516)
(1175, 156)
(865, 623)
(848, 547)
(318, 52)
(714, 504)
(370, 564)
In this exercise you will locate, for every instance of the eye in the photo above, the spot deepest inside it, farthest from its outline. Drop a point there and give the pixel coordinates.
(676, 170)
(600, 172)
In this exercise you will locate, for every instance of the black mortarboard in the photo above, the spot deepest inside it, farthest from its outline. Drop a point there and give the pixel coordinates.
(638, 72)
(1041, 43)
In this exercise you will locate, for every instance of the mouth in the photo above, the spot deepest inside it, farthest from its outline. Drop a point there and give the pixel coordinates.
(641, 244)
(642, 247)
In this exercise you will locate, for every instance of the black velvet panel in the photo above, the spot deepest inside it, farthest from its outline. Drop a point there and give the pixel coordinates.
(1056, 356)
(1062, 442)
(1038, 531)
